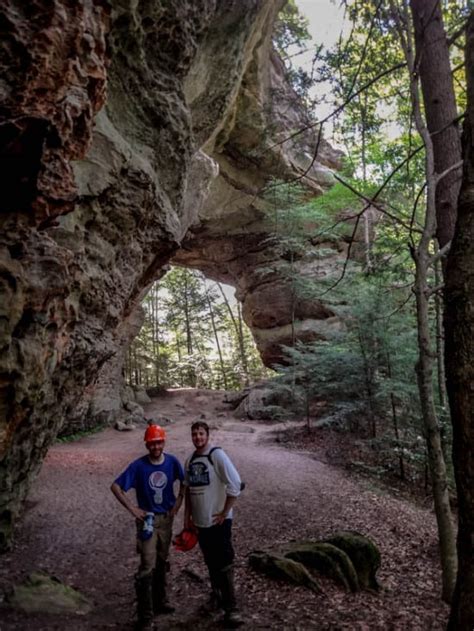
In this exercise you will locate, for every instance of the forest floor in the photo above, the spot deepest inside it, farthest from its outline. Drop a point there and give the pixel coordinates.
(75, 529)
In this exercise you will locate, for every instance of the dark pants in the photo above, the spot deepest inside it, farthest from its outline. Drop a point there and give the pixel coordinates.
(216, 545)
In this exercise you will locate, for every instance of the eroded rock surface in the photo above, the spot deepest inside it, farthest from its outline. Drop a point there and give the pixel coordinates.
(78, 253)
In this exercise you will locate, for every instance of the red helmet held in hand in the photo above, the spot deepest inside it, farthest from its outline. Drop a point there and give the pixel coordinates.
(186, 540)
(154, 432)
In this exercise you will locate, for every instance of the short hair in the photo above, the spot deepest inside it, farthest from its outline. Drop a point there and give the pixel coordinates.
(199, 424)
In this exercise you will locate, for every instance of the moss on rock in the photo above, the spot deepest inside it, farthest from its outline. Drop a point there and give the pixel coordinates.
(349, 558)
(46, 594)
(327, 560)
(278, 567)
(363, 553)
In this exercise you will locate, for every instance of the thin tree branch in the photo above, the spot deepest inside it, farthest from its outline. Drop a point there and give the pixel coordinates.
(453, 167)
(433, 290)
(457, 34)
(413, 214)
(371, 200)
(366, 45)
(382, 74)
(439, 254)
(348, 255)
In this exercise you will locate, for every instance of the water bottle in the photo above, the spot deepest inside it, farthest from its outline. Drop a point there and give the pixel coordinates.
(147, 528)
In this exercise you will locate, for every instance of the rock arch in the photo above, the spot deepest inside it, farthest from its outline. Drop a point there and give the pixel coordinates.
(100, 198)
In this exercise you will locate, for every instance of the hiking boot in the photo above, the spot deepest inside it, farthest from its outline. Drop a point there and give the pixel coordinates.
(160, 601)
(164, 608)
(144, 625)
(144, 604)
(232, 619)
(212, 605)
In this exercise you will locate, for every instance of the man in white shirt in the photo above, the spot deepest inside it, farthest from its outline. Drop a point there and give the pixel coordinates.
(212, 487)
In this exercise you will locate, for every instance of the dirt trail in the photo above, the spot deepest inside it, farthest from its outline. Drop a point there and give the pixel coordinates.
(75, 530)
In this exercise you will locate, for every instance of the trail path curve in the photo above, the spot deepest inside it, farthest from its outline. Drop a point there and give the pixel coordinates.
(75, 530)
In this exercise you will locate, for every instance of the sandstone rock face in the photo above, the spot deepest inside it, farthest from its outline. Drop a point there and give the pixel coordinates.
(84, 240)
(97, 200)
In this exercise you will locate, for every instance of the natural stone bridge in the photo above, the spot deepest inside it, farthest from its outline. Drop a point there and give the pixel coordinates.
(132, 137)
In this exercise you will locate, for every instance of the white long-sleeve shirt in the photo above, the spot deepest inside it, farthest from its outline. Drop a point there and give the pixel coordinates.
(210, 484)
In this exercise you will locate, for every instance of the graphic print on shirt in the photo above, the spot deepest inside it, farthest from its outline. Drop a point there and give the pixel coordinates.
(157, 482)
(198, 474)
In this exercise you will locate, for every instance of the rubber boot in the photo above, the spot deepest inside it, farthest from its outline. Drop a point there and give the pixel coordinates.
(144, 603)
(232, 618)
(160, 601)
(216, 590)
(214, 602)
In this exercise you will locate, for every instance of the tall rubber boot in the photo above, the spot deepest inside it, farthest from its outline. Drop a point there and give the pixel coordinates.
(232, 617)
(216, 590)
(160, 601)
(144, 603)
(214, 603)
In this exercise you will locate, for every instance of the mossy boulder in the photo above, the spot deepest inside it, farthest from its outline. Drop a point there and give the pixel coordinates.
(46, 594)
(278, 567)
(327, 560)
(363, 553)
(349, 558)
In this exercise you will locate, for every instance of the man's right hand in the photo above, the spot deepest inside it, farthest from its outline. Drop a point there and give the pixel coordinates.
(138, 513)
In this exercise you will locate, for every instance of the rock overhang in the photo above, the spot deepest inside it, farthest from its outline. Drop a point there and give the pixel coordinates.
(173, 166)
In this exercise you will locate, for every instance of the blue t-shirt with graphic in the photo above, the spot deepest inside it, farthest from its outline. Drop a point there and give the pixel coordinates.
(153, 483)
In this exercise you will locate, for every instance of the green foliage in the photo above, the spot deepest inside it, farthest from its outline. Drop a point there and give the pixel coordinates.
(191, 338)
(291, 29)
(290, 36)
(70, 438)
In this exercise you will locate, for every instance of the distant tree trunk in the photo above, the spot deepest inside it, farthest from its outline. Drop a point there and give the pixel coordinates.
(396, 430)
(433, 64)
(216, 337)
(178, 344)
(155, 332)
(240, 322)
(459, 328)
(363, 99)
(238, 326)
(368, 376)
(187, 316)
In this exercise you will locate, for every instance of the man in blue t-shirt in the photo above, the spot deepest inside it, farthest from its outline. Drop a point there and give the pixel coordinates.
(153, 477)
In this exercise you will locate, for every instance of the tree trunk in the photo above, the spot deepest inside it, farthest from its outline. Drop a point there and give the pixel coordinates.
(459, 329)
(368, 376)
(216, 337)
(187, 316)
(242, 345)
(443, 401)
(423, 261)
(239, 333)
(396, 430)
(433, 65)
(436, 460)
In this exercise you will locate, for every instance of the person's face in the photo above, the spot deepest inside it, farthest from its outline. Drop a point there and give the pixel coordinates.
(155, 448)
(200, 437)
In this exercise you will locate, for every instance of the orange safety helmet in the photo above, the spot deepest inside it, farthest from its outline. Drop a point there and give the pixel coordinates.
(186, 540)
(154, 432)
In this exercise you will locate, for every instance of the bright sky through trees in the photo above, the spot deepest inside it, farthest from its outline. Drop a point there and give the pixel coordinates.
(326, 23)
(326, 18)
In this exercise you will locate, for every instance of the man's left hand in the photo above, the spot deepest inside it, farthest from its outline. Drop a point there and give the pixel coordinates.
(218, 518)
